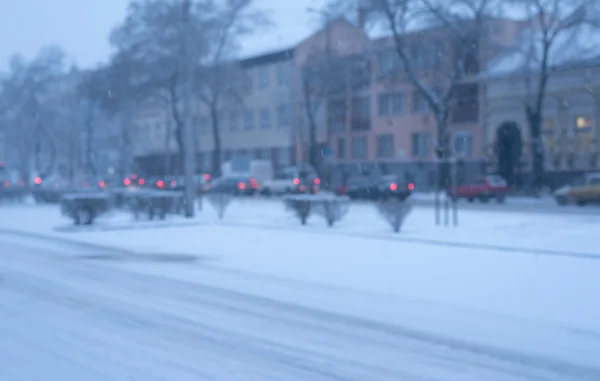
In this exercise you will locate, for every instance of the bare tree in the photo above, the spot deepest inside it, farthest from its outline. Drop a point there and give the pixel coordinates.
(218, 80)
(326, 74)
(552, 24)
(29, 103)
(154, 39)
(439, 69)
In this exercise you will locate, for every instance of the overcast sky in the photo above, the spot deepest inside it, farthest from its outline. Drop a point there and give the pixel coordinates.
(81, 27)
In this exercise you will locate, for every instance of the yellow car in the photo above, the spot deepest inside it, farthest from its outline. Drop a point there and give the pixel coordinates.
(585, 190)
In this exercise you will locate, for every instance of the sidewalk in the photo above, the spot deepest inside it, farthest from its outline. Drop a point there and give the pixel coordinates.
(540, 234)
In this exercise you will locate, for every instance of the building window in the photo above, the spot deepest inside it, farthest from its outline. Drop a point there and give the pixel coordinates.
(200, 123)
(263, 77)
(234, 121)
(466, 105)
(283, 157)
(584, 135)
(421, 144)
(385, 146)
(265, 118)
(282, 74)
(361, 113)
(390, 104)
(550, 136)
(336, 115)
(283, 115)
(419, 103)
(463, 144)
(249, 120)
(359, 147)
(389, 62)
(248, 82)
(341, 148)
(265, 154)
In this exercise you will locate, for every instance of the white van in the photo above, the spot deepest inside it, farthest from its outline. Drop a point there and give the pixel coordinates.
(240, 166)
(289, 180)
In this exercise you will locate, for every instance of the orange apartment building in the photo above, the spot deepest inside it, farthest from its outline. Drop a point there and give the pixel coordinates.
(380, 122)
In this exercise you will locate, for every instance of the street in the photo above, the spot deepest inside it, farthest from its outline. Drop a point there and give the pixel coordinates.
(68, 313)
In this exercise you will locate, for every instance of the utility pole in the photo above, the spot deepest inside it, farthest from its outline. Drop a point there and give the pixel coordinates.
(188, 146)
(326, 165)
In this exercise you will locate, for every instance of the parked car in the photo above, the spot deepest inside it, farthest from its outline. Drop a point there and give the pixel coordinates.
(584, 190)
(482, 189)
(363, 188)
(391, 186)
(236, 185)
(295, 179)
(376, 187)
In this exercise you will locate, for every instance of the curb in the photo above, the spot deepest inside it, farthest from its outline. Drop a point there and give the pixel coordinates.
(66, 241)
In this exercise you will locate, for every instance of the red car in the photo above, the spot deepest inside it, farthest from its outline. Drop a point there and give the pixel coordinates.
(483, 189)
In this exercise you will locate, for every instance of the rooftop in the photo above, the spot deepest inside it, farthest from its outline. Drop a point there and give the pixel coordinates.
(572, 47)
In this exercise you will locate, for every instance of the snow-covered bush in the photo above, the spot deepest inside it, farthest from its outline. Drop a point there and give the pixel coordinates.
(333, 209)
(219, 201)
(394, 212)
(301, 205)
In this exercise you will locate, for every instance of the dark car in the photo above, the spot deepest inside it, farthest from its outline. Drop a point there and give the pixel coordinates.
(307, 182)
(363, 188)
(391, 186)
(235, 185)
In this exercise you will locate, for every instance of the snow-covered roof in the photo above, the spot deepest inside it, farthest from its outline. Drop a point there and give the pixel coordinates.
(575, 46)
(293, 21)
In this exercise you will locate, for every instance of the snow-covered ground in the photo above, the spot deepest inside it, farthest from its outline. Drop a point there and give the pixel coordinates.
(518, 287)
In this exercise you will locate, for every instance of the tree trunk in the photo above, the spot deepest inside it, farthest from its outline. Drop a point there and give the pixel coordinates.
(89, 160)
(216, 154)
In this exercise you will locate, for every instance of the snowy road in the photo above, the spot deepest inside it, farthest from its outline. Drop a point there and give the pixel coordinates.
(64, 315)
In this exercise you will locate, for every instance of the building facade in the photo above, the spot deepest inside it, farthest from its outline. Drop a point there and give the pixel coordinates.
(570, 127)
(380, 122)
(258, 121)
(376, 120)
(570, 110)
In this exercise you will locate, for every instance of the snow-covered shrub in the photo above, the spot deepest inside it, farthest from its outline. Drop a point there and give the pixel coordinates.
(394, 211)
(301, 205)
(219, 201)
(333, 209)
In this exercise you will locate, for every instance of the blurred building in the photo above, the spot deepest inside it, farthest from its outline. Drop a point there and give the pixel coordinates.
(570, 112)
(374, 120)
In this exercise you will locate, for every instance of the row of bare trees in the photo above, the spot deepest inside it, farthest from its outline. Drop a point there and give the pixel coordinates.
(161, 49)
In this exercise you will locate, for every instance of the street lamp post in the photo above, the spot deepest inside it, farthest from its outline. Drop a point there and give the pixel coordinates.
(188, 153)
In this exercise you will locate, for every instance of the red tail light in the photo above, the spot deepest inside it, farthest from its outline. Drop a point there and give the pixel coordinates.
(37, 180)
(127, 182)
(133, 176)
(241, 185)
(101, 184)
(207, 176)
(296, 181)
(173, 183)
(253, 183)
(411, 186)
(141, 181)
(160, 184)
(317, 181)
(393, 186)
